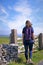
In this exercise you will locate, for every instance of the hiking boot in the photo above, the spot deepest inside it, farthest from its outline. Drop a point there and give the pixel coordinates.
(27, 61)
(30, 61)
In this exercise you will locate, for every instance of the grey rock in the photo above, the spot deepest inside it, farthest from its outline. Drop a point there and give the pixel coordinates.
(9, 53)
(40, 63)
(13, 36)
(40, 38)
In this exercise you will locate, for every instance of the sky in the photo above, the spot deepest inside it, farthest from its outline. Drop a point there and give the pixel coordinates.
(14, 13)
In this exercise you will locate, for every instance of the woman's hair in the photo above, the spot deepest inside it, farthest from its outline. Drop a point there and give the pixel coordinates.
(27, 21)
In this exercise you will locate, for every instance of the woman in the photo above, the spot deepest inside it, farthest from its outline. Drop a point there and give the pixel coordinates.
(28, 40)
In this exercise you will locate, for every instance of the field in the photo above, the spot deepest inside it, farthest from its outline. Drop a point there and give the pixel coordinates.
(4, 40)
(37, 56)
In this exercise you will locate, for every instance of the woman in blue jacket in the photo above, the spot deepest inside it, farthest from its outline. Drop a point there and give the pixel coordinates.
(28, 40)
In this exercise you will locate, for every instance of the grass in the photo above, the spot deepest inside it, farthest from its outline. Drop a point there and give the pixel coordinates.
(4, 40)
(37, 57)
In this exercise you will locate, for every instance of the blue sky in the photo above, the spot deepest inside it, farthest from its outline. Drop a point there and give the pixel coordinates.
(14, 13)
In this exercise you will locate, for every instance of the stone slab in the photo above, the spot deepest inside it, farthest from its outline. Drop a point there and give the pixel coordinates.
(13, 36)
(40, 63)
(40, 41)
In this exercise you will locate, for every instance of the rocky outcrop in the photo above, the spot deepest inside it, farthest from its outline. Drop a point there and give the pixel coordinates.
(8, 52)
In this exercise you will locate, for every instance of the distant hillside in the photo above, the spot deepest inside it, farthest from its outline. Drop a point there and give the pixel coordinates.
(19, 35)
(4, 35)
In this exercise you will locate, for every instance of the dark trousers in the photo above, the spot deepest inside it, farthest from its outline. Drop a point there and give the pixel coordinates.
(28, 44)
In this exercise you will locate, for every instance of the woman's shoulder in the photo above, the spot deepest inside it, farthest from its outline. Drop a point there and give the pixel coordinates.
(24, 27)
(31, 27)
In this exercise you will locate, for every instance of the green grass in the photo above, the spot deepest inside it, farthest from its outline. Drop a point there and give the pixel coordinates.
(19, 40)
(4, 40)
(37, 57)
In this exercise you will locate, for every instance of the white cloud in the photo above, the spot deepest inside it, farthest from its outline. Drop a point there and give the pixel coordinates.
(23, 7)
(3, 20)
(23, 10)
(3, 11)
(38, 30)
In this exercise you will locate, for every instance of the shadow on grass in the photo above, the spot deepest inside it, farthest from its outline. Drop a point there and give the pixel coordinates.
(28, 64)
(20, 60)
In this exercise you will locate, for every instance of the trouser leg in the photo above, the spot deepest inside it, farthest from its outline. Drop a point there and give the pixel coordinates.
(30, 50)
(26, 52)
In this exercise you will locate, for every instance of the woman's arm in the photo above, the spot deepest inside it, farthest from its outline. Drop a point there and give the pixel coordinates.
(23, 38)
(33, 36)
